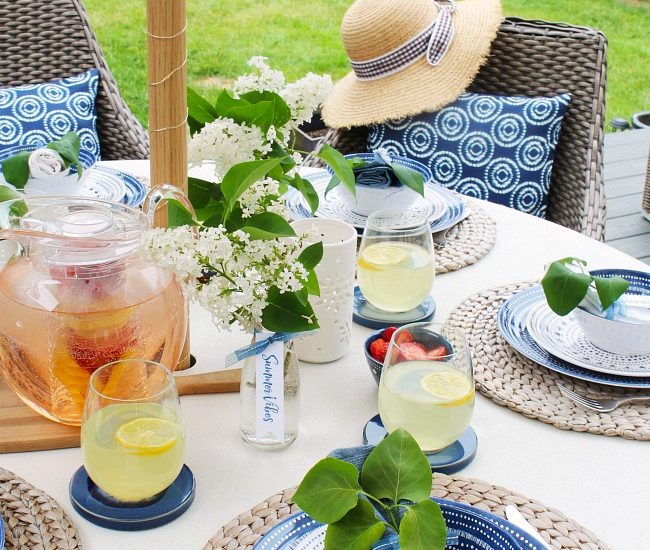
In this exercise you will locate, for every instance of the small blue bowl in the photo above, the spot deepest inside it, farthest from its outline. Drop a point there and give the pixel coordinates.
(374, 365)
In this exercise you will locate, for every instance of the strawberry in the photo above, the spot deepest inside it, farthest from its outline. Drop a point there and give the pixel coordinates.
(437, 352)
(388, 333)
(412, 351)
(378, 349)
(403, 337)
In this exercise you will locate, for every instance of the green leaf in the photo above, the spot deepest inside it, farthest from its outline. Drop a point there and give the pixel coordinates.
(281, 111)
(311, 256)
(333, 182)
(610, 289)
(357, 530)
(199, 192)
(225, 103)
(342, 167)
(7, 193)
(329, 490)
(563, 287)
(177, 214)
(268, 225)
(423, 527)
(16, 169)
(199, 111)
(241, 176)
(286, 313)
(306, 189)
(259, 114)
(397, 469)
(311, 284)
(409, 177)
(277, 151)
(68, 147)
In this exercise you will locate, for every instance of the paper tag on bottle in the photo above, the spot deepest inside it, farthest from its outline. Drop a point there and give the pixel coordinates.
(269, 390)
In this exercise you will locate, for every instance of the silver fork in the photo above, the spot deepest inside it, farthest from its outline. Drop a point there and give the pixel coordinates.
(603, 404)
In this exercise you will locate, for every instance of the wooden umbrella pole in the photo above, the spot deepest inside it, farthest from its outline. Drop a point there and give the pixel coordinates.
(167, 60)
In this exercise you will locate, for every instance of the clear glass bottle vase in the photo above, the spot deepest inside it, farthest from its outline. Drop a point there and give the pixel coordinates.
(252, 404)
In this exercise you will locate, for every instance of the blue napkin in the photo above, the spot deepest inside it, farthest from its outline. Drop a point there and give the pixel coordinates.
(628, 308)
(378, 173)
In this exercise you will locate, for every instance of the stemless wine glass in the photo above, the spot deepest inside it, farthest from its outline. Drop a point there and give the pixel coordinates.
(132, 436)
(426, 385)
(395, 262)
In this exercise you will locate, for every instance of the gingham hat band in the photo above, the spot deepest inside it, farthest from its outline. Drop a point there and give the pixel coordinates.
(433, 42)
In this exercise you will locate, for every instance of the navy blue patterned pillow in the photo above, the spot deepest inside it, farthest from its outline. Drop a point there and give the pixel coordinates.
(498, 148)
(34, 115)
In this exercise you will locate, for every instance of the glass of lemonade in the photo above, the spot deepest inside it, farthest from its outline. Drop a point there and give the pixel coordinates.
(427, 385)
(132, 436)
(395, 262)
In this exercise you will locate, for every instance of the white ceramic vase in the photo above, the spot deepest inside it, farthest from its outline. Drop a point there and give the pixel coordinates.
(333, 307)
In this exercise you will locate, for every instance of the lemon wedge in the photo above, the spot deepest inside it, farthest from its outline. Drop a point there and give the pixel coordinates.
(450, 387)
(380, 255)
(148, 435)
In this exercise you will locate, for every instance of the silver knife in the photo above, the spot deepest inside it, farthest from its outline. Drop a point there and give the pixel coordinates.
(514, 516)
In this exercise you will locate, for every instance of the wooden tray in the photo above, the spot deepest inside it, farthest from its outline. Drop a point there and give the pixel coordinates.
(23, 429)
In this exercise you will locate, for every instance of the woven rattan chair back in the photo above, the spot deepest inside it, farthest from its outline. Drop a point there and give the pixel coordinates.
(47, 39)
(537, 58)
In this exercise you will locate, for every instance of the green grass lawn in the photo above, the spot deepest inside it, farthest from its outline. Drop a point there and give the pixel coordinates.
(304, 36)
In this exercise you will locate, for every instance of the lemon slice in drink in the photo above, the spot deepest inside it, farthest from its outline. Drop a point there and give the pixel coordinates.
(380, 255)
(450, 387)
(148, 435)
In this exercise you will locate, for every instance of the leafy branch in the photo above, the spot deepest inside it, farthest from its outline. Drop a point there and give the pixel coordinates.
(566, 284)
(392, 492)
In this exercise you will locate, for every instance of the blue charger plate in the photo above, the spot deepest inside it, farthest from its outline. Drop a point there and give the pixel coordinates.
(2, 534)
(467, 527)
(512, 322)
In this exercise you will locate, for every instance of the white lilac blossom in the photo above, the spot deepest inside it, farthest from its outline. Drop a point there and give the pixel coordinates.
(305, 96)
(227, 273)
(226, 143)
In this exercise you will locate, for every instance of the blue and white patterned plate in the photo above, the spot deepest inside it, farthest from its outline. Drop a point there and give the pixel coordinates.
(136, 191)
(467, 527)
(512, 321)
(97, 182)
(444, 208)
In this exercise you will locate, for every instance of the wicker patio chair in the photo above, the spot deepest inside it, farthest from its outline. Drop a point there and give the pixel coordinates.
(47, 39)
(540, 58)
(645, 205)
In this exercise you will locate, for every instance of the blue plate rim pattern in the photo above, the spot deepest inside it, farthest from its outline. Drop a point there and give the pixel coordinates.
(454, 214)
(511, 321)
(521, 537)
(136, 191)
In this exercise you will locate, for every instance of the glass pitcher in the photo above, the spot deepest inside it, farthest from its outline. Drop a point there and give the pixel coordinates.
(75, 294)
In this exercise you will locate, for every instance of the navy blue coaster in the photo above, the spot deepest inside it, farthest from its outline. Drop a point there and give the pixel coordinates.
(366, 315)
(447, 461)
(92, 504)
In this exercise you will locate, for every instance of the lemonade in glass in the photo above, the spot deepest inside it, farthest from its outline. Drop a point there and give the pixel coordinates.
(395, 263)
(132, 436)
(426, 384)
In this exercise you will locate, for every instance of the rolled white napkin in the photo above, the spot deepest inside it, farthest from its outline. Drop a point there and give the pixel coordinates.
(45, 163)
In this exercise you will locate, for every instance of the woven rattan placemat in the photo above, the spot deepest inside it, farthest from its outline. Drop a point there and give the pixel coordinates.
(243, 531)
(511, 380)
(33, 519)
(466, 242)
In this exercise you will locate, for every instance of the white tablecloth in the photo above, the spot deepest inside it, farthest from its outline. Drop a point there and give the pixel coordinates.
(602, 482)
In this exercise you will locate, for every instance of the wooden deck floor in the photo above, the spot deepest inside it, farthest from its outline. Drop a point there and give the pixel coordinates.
(625, 162)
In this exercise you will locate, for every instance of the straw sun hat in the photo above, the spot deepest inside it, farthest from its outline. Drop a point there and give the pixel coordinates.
(409, 56)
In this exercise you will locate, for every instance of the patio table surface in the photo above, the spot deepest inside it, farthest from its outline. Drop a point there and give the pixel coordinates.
(601, 482)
